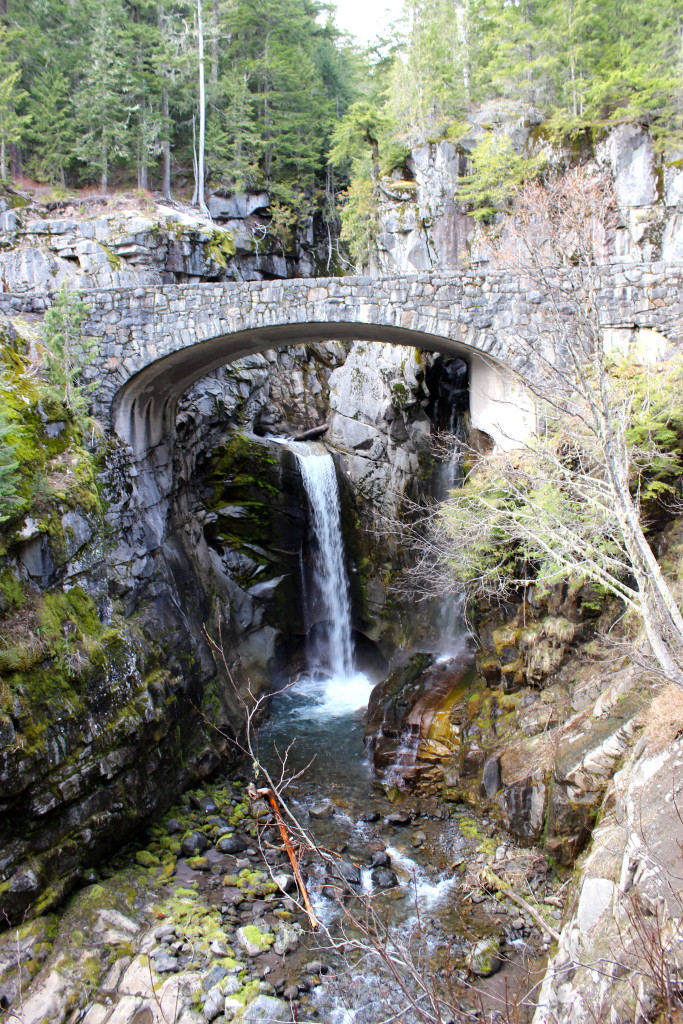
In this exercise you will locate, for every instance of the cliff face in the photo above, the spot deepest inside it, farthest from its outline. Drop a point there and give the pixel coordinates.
(112, 702)
(423, 226)
(118, 242)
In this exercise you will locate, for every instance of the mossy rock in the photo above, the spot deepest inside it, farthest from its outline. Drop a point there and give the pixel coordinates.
(252, 938)
(146, 859)
(199, 863)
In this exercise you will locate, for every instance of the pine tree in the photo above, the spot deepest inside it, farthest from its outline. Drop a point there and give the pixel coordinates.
(13, 125)
(51, 133)
(431, 81)
(66, 352)
(105, 101)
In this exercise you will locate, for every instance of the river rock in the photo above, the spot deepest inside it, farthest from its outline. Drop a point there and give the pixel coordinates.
(484, 957)
(207, 805)
(349, 872)
(285, 882)
(213, 977)
(231, 844)
(370, 816)
(323, 809)
(165, 963)
(384, 878)
(287, 937)
(267, 1009)
(194, 844)
(215, 1003)
(380, 859)
(397, 819)
(253, 940)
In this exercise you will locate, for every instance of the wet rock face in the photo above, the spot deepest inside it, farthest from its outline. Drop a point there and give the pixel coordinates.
(385, 403)
(80, 772)
(91, 779)
(402, 708)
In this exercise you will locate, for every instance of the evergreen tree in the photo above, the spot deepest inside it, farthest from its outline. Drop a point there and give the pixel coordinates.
(9, 466)
(51, 133)
(431, 80)
(66, 352)
(105, 101)
(12, 124)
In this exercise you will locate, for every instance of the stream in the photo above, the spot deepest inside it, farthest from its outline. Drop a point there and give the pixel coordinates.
(200, 919)
(313, 742)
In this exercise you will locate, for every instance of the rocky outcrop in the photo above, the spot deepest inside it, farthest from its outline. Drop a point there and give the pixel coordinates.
(620, 954)
(422, 225)
(121, 242)
(379, 424)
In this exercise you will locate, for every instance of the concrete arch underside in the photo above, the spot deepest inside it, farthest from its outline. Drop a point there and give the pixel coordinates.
(143, 409)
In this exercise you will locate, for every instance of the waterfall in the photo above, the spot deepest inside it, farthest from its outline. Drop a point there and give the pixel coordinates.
(320, 482)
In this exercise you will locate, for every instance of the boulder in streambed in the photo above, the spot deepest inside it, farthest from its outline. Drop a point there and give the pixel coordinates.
(323, 809)
(194, 844)
(369, 817)
(348, 871)
(231, 844)
(253, 940)
(267, 1008)
(384, 878)
(484, 957)
(397, 819)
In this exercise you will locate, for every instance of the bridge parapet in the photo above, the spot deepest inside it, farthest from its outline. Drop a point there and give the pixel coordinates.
(155, 341)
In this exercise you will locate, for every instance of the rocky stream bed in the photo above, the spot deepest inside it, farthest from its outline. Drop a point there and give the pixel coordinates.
(202, 920)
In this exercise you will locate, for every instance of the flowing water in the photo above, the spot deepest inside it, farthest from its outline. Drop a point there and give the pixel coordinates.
(330, 581)
(314, 738)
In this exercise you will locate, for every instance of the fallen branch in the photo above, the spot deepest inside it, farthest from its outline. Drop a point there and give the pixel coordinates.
(492, 881)
(272, 800)
(311, 434)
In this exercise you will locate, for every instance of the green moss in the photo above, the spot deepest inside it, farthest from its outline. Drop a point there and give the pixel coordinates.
(220, 247)
(146, 859)
(113, 258)
(12, 594)
(240, 811)
(253, 934)
(469, 828)
(72, 607)
(198, 863)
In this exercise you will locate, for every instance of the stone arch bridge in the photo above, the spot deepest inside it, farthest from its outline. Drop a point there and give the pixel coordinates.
(156, 341)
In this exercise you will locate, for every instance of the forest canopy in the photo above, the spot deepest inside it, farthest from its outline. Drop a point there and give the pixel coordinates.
(105, 91)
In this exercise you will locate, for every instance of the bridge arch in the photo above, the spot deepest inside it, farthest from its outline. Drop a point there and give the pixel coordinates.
(156, 341)
(143, 409)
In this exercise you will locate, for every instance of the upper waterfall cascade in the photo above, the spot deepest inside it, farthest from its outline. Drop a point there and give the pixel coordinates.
(320, 481)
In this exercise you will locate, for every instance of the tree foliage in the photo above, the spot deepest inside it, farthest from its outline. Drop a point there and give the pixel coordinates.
(66, 352)
(573, 503)
(107, 90)
(9, 469)
(497, 171)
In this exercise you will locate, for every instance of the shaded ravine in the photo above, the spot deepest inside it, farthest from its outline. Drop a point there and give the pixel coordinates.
(314, 740)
